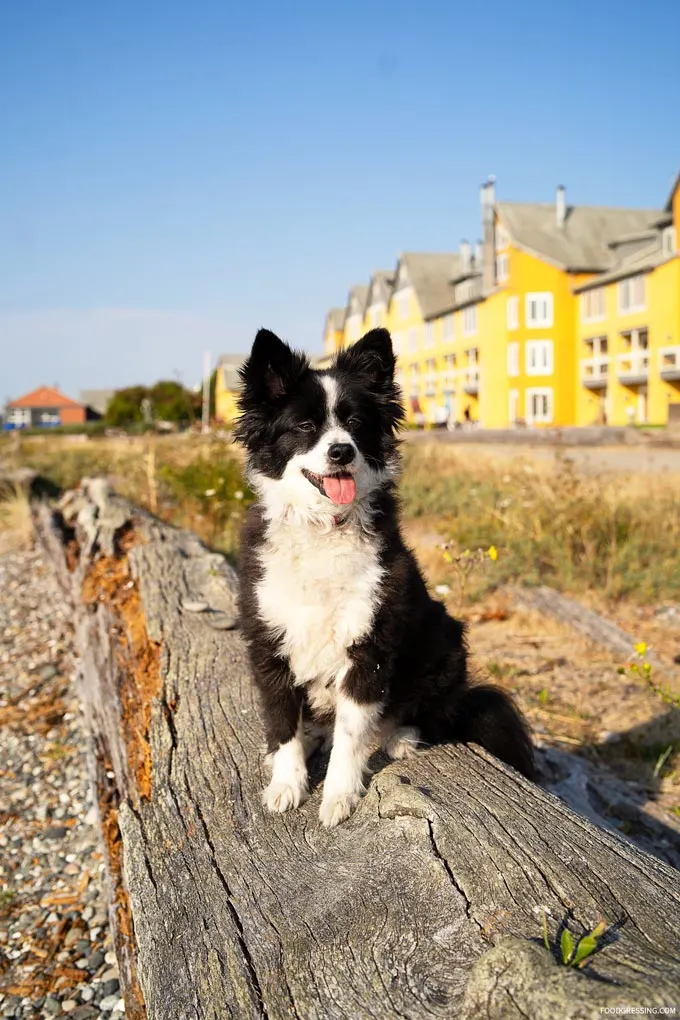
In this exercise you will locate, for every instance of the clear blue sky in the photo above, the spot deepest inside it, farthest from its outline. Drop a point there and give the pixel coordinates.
(174, 174)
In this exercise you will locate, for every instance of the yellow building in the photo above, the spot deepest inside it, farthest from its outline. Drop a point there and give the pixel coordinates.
(334, 331)
(377, 299)
(421, 299)
(227, 386)
(628, 330)
(563, 315)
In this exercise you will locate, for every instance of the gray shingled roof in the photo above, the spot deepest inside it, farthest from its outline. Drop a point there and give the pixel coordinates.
(382, 280)
(581, 244)
(360, 292)
(335, 318)
(431, 275)
(641, 261)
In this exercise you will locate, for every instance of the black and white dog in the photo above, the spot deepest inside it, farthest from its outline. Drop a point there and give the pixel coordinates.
(341, 630)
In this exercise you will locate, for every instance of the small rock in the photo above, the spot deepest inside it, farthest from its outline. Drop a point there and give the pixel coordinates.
(94, 960)
(52, 1005)
(109, 1003)
(68, 1005)
(110, 973)
(55, 832)
(87, 994)
(73, 936)
(84, 1013)
(110, 987)
(83, 946)
(111, 957)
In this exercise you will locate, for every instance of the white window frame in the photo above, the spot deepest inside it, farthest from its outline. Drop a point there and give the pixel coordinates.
(470, 326)
(428, 335)
(513, 398)
(513, 359)
(626, 287)
(512, 312)
(545, 418)
(542, 316)
(668, 240)
(448, 329)
(502, 268)
(539, 357)
(412, 340)
(588, 298)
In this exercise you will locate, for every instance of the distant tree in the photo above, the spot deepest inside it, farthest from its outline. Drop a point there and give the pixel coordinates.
(125, 406)
(170, 401)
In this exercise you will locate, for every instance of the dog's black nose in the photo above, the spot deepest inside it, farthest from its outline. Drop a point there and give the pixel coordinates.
(341, 453)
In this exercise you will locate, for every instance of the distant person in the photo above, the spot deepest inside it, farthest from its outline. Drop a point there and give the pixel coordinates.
(467, 415)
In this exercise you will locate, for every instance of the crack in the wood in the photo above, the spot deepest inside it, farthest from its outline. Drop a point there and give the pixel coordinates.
(449, 872)
(231, 907)
(517, 1006)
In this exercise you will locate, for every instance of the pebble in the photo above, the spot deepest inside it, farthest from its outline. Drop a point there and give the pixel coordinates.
(108, 1003)
(94, 961)
(49, 838)
(110, 987)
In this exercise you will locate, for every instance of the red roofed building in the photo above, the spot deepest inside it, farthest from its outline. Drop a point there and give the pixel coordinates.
(44, 407)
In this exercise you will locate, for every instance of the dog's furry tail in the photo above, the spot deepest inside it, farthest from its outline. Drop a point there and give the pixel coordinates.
(486, 715)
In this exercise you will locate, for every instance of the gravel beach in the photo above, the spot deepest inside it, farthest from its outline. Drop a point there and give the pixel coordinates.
(56, 956)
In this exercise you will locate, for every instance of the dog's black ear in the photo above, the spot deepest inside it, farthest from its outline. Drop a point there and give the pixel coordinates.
(272, 368)
(372, 358)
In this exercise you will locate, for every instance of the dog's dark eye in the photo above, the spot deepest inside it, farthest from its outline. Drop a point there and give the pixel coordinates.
(354, 422)
(306, 426)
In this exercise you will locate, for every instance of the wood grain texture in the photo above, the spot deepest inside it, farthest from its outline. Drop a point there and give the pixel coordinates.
(421, 905)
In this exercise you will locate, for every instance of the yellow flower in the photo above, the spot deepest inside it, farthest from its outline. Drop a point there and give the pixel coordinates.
(492, 553)
(448, 557)
(640, 648)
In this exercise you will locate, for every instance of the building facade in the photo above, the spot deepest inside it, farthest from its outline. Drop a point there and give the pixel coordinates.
(562, 315)
(46, 407)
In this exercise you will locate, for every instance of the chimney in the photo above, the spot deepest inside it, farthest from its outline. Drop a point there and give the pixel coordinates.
(465, 254)
(479, 255)
(488, 198)
(561, 205)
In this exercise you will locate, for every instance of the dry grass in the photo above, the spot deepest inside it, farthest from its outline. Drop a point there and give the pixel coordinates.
(551, 523)
(16, 529)
(190, 481)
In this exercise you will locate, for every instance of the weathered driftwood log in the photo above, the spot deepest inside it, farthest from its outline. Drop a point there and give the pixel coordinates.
(422, 905)
(585, 621)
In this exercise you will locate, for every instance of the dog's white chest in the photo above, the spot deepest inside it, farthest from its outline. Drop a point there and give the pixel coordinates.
(318, 593)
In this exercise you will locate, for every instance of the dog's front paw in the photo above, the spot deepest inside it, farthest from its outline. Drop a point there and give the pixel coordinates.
(403, 743)
(280, 797)
(337, 808)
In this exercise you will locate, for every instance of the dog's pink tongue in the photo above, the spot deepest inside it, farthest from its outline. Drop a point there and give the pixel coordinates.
(340, 490)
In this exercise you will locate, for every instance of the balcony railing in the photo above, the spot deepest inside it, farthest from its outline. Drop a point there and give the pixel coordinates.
(633, 366)
(669, 363)
(469, 378)
(449, 381)
(595, 371)
(430, 385)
